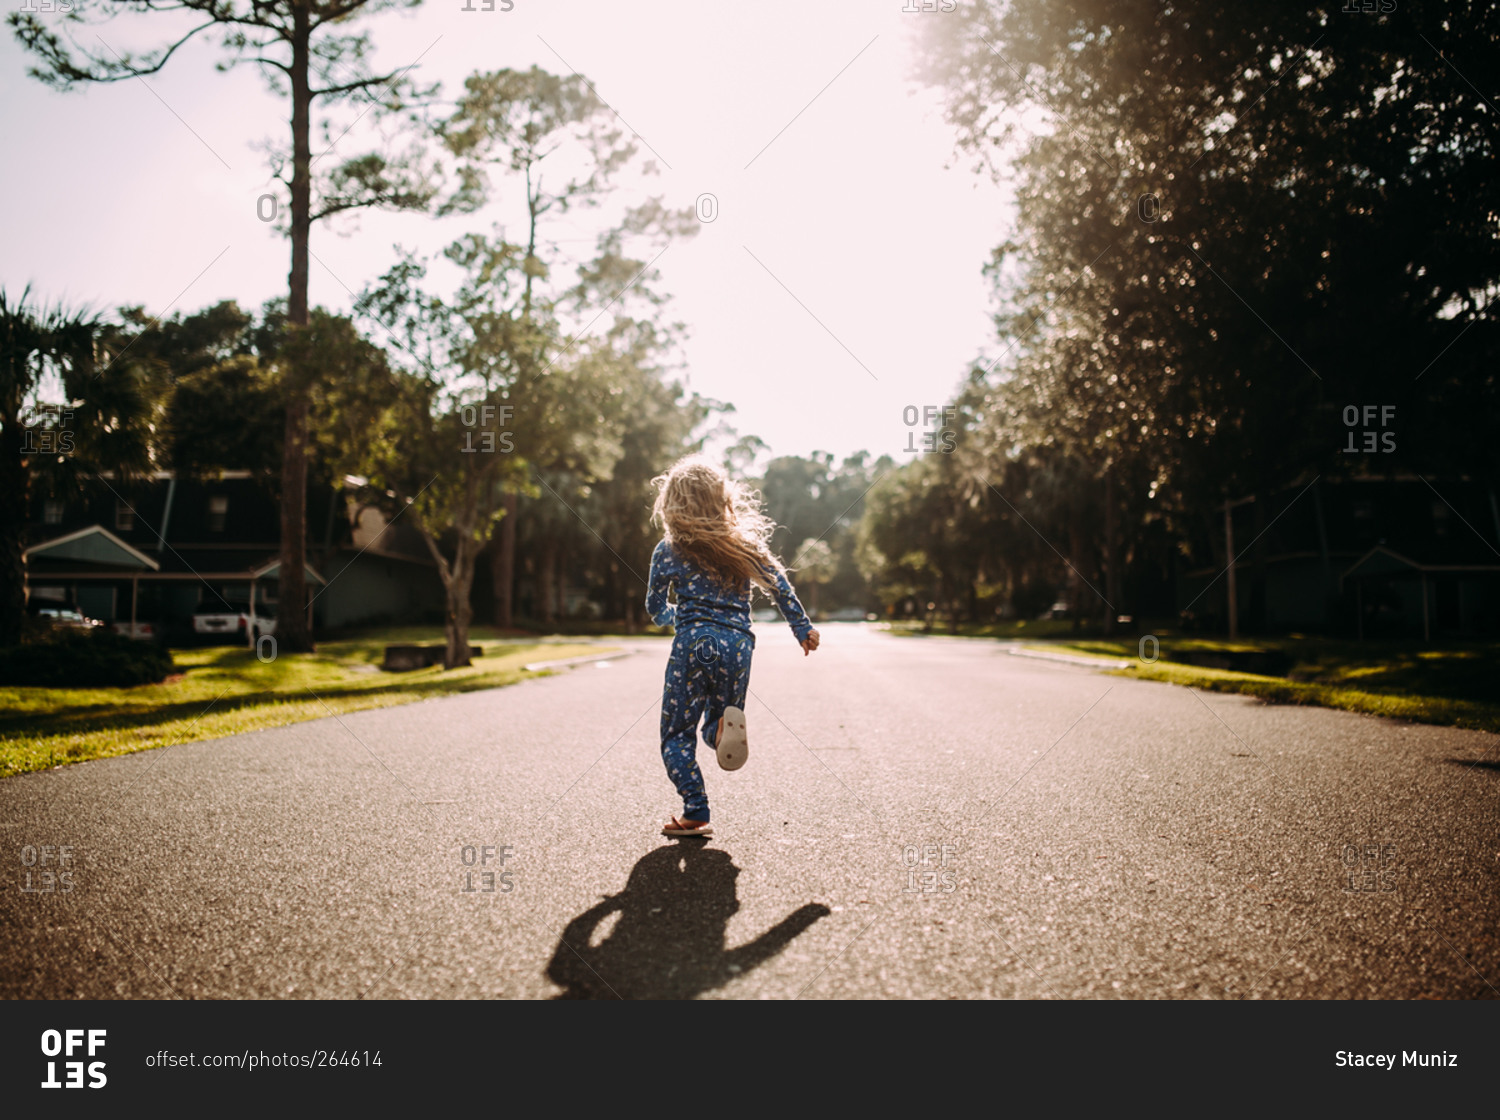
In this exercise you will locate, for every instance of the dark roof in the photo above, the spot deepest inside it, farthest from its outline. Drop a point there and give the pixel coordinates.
(1423, 557)
(92, 547)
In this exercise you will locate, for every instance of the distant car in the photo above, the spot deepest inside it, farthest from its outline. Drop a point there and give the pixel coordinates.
(141, 631)
(65, 618)
(765, 614)
(220, 620)
(234, 620)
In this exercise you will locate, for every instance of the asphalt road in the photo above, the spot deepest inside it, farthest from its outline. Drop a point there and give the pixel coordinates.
(920, 817)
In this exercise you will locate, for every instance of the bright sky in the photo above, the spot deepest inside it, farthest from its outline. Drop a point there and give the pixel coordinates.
(839, 284)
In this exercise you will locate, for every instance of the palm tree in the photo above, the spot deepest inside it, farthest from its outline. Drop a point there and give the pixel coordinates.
(97, 424)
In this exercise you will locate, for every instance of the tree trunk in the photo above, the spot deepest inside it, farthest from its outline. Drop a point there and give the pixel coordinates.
(292, 630)
(458, 580)
(614, 606)
(545, 570)
(1325, 562)
(293, 627)
(459, 614)
(503, 566)
(1111, 554)
(1259, 583)
(1075, 546)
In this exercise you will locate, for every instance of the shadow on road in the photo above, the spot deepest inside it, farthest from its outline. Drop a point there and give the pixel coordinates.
(1477, 763)
(668, 941)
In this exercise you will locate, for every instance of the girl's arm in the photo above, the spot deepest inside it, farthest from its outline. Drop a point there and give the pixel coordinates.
(789, 605)
(658, 609)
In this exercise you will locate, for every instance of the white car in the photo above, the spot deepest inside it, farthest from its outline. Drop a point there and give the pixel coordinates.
(141, 631)
(233, 620)
(262, 624)
(65, 618)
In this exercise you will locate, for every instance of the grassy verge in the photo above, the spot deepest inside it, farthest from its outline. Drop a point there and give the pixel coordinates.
(580, 628)
(222, 691)
(486, 635)
(1450, 685)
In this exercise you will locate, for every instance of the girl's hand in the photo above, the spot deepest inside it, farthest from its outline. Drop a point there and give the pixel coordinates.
(810, 642)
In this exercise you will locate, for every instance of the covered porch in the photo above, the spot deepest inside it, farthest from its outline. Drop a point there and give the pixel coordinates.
(1395, 591)
(87, 569)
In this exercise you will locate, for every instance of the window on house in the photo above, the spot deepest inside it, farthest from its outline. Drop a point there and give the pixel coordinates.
(52, 513)
(218, 507)
(124, 517)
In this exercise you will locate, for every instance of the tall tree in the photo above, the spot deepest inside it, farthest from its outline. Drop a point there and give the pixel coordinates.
(507, 125)
(658, 422)
(816, 565)
(310, 56)
(220, 407)
(1234, 221)
(813, 499)
(469, 421)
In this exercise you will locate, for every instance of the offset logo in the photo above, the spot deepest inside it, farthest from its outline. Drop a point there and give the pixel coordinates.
(482, 854)
(52, 865)
(939, 438)
(66, 1044)
(941, 880)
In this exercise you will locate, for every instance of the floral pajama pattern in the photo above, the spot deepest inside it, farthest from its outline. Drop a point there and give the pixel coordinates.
(709, 669)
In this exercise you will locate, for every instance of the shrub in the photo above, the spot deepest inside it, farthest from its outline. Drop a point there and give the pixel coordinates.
(83, 659)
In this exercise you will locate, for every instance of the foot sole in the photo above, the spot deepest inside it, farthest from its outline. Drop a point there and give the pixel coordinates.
(734, 742)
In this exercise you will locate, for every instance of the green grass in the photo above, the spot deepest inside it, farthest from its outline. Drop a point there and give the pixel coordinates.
(225, 690)
(607, 628)
(483, 635)
(1452, 685)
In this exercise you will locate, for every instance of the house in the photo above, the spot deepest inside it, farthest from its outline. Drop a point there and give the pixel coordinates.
(1394, 555)
(156, 549)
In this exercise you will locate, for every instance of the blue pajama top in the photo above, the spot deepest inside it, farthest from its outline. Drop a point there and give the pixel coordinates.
(702, 598)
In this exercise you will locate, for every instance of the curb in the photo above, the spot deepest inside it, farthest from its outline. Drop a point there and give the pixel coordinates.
(1073, 659)
(569, 662)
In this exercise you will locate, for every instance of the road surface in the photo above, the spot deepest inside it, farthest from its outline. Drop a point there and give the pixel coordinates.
(920, 817)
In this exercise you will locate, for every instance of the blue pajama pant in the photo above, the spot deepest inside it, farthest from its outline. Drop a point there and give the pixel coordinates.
(709, 670)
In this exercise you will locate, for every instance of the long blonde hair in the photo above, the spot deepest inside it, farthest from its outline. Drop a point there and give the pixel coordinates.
(716, 522)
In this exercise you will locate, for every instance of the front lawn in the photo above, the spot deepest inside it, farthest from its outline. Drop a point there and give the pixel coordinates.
(1453, 684)
(224, 690)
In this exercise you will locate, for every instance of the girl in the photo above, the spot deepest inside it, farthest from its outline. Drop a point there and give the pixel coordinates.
(714, 550)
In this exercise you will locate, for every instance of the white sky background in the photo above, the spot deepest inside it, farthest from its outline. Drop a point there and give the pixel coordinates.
(115, 201)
